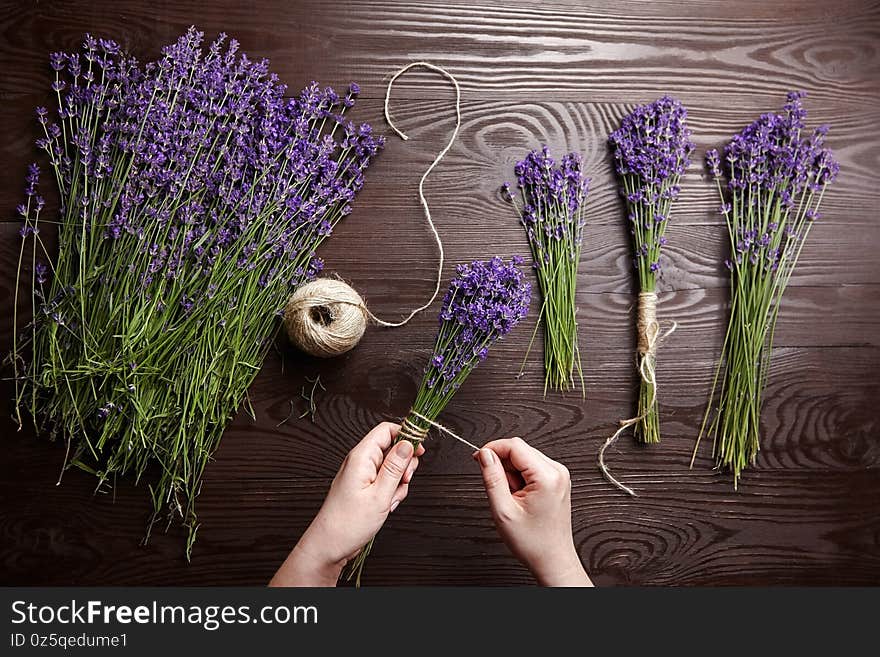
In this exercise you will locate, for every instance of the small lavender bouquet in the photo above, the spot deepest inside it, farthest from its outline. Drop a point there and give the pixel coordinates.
(485, 300)
(194, 192)
(777, 173)
(652, 150)
(550, 207)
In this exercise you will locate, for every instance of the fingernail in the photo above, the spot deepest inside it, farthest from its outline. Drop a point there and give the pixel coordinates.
(394, 505)
(486, 457)
(404, 448)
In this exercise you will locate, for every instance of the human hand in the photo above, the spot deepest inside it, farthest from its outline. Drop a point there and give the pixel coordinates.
(530, 498)
(372, 481)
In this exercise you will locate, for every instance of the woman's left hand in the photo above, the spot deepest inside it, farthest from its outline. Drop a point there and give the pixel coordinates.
(372, 481)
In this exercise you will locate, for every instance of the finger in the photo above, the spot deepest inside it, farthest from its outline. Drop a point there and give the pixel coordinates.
(393, 468)
(410, 471)
(530, 463)
(398, 497)
(421, 449)
(373, 446)
(495, 481)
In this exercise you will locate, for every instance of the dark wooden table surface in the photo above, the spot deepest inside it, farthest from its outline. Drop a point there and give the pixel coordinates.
(560, 73)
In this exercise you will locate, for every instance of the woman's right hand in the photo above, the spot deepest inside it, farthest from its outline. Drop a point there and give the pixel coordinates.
(530, 498)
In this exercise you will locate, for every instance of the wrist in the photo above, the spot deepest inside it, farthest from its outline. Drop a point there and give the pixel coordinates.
(565, 570)
(308, 565)
(314, 552)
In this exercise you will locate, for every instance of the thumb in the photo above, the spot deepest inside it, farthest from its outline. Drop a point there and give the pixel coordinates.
(495, 480)
(393, 467)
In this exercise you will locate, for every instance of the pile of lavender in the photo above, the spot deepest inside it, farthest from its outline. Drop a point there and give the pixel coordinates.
(777, 172)
(485, 300)
(550, 206)
(193, 195)
(652, 150)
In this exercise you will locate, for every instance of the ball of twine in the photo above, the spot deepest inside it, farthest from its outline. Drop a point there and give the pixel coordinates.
(325, 318)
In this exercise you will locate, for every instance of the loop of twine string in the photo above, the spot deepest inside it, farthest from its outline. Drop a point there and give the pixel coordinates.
(410, 431)
(338, 327)
(649, 341)
(422, 198)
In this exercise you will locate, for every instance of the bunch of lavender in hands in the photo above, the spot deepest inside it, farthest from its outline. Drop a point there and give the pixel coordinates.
(777, 173)
(652, 150)
(485, 300)
(550, 207)
(193, 196)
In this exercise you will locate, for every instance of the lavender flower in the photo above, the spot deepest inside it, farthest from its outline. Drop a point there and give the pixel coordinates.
(550, 206)
(194, 191)
(41, 272)
(771, 180)
(485, 300)
(652, 151)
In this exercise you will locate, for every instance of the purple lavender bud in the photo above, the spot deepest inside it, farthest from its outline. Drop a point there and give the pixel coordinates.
(713, 161)
(57, 60)
(41, 272)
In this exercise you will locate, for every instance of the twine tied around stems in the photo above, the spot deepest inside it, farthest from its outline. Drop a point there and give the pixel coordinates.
(649, 340)
(416, 434)
(327, 317)
(648, 326)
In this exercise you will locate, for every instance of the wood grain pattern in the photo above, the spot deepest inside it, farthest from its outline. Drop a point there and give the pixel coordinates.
(559, 73)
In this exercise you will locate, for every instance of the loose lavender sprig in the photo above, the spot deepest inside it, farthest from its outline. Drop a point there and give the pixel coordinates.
(193, 196)
(777, 173)
(485, 300)
(652, 150)
(550, 207)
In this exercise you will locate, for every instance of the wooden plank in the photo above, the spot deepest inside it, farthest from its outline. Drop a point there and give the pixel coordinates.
(784, 528)
(612, 52)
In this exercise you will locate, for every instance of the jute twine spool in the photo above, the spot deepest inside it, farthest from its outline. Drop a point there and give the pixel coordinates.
(327, 317)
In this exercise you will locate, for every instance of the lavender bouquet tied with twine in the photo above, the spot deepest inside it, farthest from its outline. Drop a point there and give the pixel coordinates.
(550, 206)
(193, 194)
(485, 300)
(652, 150)
(776, 174)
